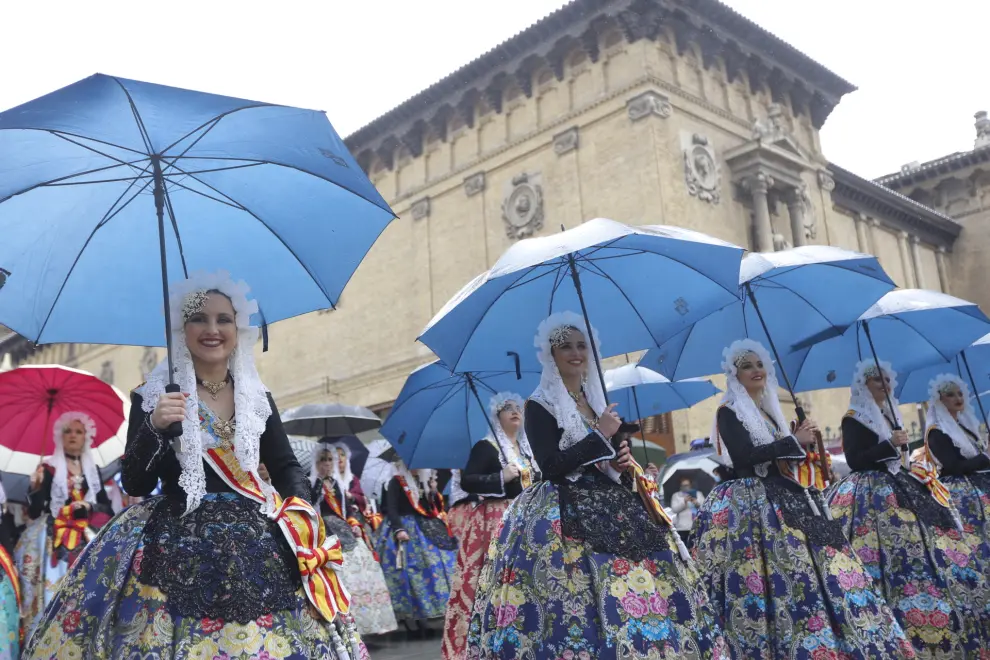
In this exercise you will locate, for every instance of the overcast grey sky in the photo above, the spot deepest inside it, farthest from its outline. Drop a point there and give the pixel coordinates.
(919, 66)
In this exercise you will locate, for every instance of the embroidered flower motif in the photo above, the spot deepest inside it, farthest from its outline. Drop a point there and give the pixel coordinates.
(620, 567)
(211, 626)
(754, 583)
(635, 605)
(71, 621)
(505, 616)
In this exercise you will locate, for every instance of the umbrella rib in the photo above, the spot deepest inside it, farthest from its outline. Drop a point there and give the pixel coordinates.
(113, 211)
(55, 183)
(75, 135)
(79, 254)
(218, 200)
(688, 266)
(536, 276)
(274, 233)
(631, 305)
(215, 120)
(137, 119)
(175, 230)
(799, 295)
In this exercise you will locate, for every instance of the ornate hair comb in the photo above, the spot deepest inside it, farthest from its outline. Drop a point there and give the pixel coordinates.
(193, 304)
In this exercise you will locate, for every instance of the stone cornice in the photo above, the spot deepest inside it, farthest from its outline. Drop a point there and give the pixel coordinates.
(717, 31)
(935, 169)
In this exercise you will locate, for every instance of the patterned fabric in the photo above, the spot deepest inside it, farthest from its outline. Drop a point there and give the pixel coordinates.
(479, 527)
(34, 556)
(105, 610)
(782, 596)
(543, 595)
(929, 576)
(371, 605)
(10, 621)
(971, 495)
(420, 584)
(459, 517)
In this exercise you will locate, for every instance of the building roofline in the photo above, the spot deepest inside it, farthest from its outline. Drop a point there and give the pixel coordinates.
(935, 168)
(717, 29)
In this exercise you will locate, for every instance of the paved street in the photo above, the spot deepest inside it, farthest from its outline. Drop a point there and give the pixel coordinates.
(403, 650)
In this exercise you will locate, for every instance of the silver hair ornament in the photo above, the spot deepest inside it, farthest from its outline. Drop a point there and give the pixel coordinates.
(193, 304)
(558, 336)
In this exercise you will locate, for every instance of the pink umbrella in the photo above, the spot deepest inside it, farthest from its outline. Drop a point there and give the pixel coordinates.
(33, 397)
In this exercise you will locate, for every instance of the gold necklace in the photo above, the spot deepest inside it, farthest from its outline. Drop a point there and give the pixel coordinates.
(224, 430)
(214, 388)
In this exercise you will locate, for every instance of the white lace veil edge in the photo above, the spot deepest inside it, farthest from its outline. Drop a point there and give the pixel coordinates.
(864, 408)
(343, 478)
(737, 399)
(508, 453)
(938, 416)
(552, 393)
(60, 481)
(251, 406)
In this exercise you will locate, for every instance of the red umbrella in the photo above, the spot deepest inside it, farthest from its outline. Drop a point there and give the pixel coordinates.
(33, 397)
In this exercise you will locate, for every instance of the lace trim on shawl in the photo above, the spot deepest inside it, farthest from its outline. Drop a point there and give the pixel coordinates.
(938, 416)
(60, 481)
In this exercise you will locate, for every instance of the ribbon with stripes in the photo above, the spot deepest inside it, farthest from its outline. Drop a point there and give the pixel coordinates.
(70, 531)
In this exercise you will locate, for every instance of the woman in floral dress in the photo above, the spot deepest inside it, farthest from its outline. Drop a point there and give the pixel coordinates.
(585, 565)
(779, 571)
(210, 569)
(900, 521)
(371, 606)
(416, 549)
(68, 505)
(498, 469)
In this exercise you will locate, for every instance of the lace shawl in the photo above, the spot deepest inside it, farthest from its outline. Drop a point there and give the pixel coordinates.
(864, 409)
(938, 416)
(251, 405)
(343, 478)
(737, 399)
(60, 483)
(501, 440)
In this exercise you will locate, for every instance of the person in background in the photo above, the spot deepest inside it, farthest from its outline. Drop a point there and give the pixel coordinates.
(685, 504)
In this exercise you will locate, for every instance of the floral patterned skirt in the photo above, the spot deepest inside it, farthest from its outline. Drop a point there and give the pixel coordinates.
(543, 595)
(476, 533)
(420, 587)
(782, 597)
(103, 610)
(459, 517)
(40, 572)
(371, 605)
(930, 577)
(971, 495)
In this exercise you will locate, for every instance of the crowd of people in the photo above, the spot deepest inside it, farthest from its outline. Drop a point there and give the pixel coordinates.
(554, 543)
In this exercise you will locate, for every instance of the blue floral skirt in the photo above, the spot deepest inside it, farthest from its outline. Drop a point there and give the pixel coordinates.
(420, 588)
(781, 596)
(104, 610)
(971, 495)
(544, 595)
(930, 577)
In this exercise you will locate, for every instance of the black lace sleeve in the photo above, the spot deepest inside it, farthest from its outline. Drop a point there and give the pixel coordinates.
(103, 503)
(544, 438)
(950, 458)
(40, 500)
(741, 449)
(277, 455)
(143, 455)
(393, 496)
(483, 473)
(863, 448)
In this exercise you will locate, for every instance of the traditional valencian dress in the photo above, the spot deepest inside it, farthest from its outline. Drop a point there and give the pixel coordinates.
(461, 506)
(361, 573)
(901, 524)
(489, 497)
(57, 535)
(780, 572)
(585, 565)
(220, 566)
(418, 571)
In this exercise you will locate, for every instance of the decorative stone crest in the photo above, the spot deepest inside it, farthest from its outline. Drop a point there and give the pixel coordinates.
(474, 184)
(647, 104)
(810, 223)
(982, 129)
(106, 372)
(825, 181)
(566, 141)
(773, 129)
(420, 209)
(522, 206)
(148, 361)
(701, 171)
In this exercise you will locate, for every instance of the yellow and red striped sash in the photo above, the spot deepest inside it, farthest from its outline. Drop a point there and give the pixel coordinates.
(375, 520)
(929, 477)
(806, 472)
(319, 557)
(70, 531)
(649, 492)
(413, 500)
(354, 522)
(331, 500)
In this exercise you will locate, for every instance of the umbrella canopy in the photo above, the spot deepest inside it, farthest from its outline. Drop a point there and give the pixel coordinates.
(130, 185)
(602, 268)
(791, 295)
(910, 328)
(303, 448)
(329, 419)
(641, 392)
(695, 465)
(439, 414)
(378, 469)
(972, 365)
(32, 398)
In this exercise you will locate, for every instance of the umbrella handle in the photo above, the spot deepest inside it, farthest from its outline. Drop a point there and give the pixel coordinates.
(174, 429)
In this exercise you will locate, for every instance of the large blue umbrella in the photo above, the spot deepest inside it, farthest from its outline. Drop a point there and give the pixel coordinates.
(439, 415)
(111, 188)
(640, 285)
(640, 393)
(786, 297)
(910, 328)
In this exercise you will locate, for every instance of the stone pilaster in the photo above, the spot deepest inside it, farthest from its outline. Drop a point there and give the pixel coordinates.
(943, 271)
(758, 186)
(902, 245)
(919, 272)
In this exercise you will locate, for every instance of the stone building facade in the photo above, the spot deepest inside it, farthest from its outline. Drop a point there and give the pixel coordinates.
(674, 112)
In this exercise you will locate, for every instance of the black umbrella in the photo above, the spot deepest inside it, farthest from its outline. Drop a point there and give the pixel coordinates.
(329, 419)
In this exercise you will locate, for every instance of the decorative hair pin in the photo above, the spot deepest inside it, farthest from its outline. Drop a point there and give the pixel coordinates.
(872, 371)
(558, 336)
(739, 359)
(947, 386)
(193, 304)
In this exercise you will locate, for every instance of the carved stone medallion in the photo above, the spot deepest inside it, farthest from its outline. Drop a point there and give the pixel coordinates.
(566, 141)
(474, 184)
(825, 180)
(647, 104)
(522, 206)
(701, 171)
